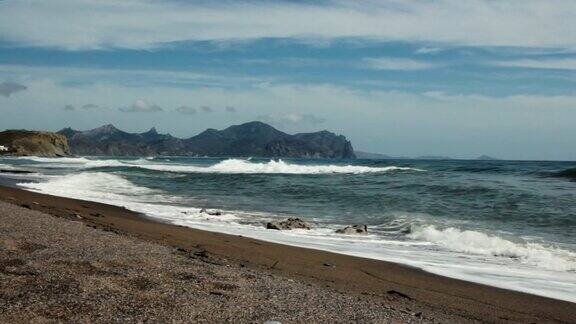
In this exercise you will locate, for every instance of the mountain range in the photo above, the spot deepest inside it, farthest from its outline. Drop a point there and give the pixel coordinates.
(250, 139)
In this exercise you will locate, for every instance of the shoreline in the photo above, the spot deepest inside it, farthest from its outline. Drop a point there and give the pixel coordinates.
(393, 283)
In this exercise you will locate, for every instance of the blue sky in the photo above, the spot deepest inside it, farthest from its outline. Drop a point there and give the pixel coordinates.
(413, 77)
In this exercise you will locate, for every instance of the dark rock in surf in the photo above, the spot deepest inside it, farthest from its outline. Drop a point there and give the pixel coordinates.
(353, 230)
(288, 224)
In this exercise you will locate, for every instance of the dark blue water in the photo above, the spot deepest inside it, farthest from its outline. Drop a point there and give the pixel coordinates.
(527, 198)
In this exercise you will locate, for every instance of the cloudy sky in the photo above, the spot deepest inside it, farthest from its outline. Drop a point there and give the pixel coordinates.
(411, 77)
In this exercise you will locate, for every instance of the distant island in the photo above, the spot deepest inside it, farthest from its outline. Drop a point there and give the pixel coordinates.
(373, 156)
(486, 158)
(380, 156)
(255, 139)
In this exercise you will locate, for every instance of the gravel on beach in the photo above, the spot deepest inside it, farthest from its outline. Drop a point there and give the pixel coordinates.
(53, 269)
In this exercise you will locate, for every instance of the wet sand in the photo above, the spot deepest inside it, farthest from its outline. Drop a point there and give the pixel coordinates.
(143, 269)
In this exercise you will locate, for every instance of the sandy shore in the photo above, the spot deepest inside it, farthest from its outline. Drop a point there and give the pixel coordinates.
(96, 262)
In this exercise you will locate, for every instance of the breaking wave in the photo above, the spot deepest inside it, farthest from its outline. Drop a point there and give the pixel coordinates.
(77, 160)
(568, 173)
(271, 167)
(230, 166)
(96, 186)
(473, 242)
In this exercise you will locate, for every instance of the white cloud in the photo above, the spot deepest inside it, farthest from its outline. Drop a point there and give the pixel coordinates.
(402, 123)
(141, 105)
(206, 109)
(96, 24)
(553, 64)
(131, 77)
(186, 110)
(393, 63)
(90, 106)
(292, 118)
(428, 50)
(9, 88)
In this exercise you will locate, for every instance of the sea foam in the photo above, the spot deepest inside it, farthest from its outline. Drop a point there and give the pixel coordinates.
(229, 166)
(271, 167)
(473, 242)
(78, 160)
(98, 186)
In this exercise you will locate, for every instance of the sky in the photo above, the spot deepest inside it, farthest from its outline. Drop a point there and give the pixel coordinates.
(405, 78)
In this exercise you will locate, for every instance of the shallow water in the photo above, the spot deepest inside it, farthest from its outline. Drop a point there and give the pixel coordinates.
(505, 223)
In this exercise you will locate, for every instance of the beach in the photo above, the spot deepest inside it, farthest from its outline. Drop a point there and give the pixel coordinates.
(74, 260)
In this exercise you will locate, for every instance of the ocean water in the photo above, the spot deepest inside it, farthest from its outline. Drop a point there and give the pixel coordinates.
(509, 224)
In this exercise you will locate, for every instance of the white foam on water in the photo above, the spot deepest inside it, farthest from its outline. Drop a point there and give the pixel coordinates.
(272, 167)
(229, 166)
(466, 255)
(113, 189)
(473, 242)
(7, 167)
(76, 160)
(97, 186)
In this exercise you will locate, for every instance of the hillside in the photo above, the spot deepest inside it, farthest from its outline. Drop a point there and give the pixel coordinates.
(250, 139)
(23, 143)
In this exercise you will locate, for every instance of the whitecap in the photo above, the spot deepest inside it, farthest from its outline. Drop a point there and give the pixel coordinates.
(474, 242)
(237, 166)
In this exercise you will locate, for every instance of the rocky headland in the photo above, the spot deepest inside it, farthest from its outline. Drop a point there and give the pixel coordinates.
(25, 143)
(255, 139)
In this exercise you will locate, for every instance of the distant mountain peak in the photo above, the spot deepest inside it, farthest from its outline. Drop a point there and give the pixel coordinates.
(68, 132)
(249, 139)
(108, 128)
(252, 126)
(152, 131)
(255, 123)
(486, 158)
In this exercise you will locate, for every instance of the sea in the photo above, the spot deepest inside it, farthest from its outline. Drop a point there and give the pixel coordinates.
(510, 224)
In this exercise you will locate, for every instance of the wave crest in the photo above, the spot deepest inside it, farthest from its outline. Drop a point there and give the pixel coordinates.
(230, 166)
(272, 167)
(473, 242)
(568, 173)
(97, 186)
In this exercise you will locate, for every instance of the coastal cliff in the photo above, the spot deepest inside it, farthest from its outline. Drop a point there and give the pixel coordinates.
(25, 143)
(250, 139)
